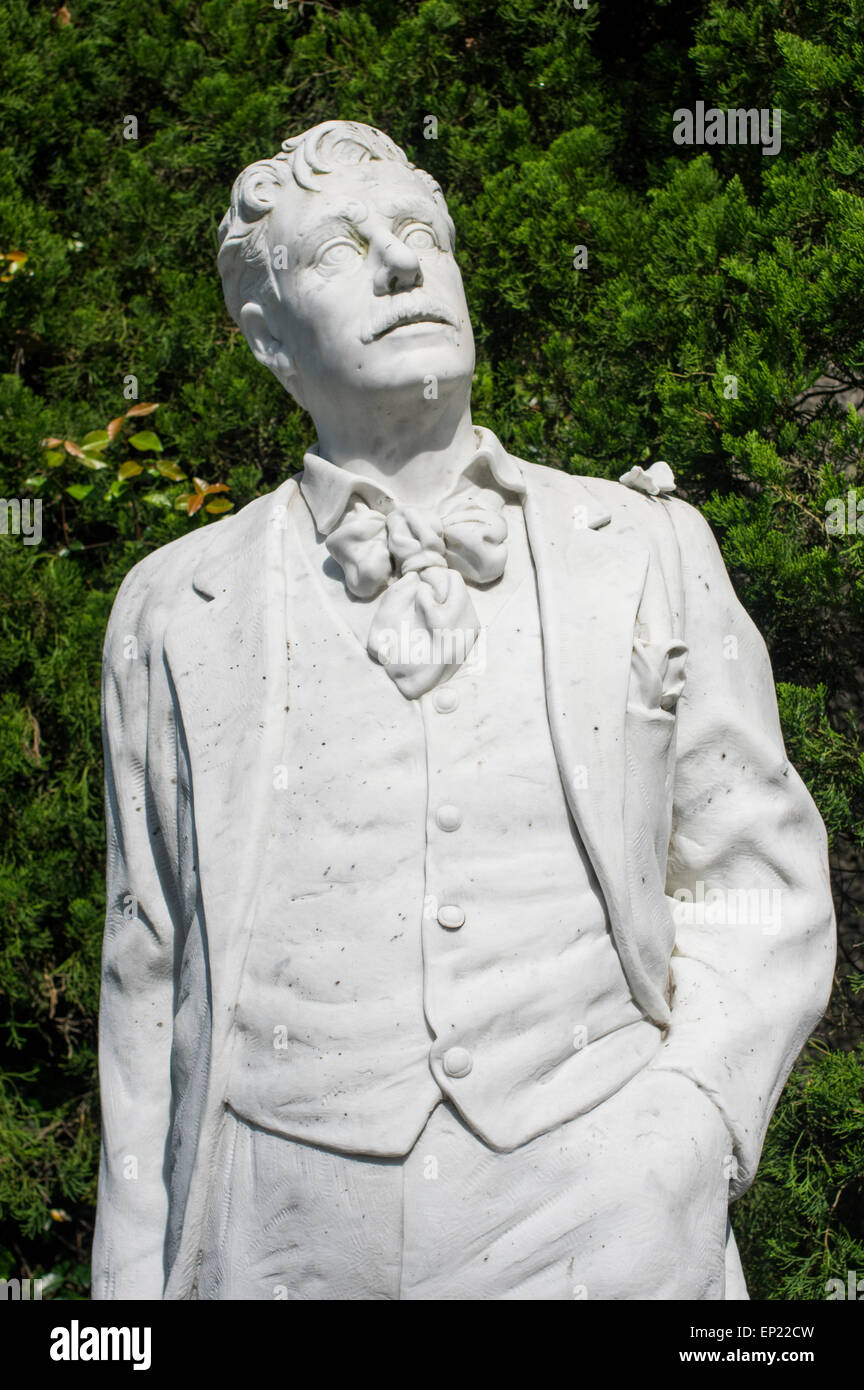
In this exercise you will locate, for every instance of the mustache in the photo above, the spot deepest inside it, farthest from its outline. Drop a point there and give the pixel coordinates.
(418, 309)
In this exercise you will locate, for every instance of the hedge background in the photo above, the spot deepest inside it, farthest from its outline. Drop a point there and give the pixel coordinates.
(554, 130)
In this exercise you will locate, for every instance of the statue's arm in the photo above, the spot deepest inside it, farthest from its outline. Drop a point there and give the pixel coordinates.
(143, 910)
(751, 985)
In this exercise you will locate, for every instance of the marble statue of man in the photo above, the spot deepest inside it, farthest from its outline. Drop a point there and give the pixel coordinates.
(465, 916)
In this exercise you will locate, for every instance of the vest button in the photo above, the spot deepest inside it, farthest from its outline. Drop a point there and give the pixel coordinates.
(448, 817)
(457, 1061)
(446, 699)
(451, 915)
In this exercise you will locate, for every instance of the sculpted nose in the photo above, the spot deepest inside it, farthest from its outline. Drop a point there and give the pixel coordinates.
(399, 269)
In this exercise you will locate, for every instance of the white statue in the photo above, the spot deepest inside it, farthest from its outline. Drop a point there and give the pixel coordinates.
(465, 916)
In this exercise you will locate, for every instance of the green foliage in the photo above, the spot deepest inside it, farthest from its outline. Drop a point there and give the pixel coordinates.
(829, 759)
(717, 324)
(51, 890)
(802, 1223)
(111, 495)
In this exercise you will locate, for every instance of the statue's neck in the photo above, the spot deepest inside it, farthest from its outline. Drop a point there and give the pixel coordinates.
(415, 450)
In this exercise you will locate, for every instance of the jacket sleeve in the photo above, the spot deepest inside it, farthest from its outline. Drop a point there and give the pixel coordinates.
(142, 920)
(753, 960)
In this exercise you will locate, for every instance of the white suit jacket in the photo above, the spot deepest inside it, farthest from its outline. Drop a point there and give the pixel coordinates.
(671, 796)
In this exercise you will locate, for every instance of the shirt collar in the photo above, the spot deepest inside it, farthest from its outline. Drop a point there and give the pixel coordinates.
(328, 489)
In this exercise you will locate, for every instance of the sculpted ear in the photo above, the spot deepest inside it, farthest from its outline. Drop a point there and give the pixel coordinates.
(268, 348)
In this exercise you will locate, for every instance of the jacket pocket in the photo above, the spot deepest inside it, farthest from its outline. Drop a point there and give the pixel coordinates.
(657, 676)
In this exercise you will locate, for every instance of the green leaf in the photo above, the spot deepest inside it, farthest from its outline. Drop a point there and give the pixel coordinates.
(53, 458)
(157, 499)
(219, 504)
(79, 490)
(129, 469)
(116, 489)
(169, 468)
(36, 481)
(145, 439)
(98, 437)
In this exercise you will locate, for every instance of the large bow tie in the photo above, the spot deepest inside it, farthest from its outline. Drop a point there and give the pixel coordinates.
(424, 625)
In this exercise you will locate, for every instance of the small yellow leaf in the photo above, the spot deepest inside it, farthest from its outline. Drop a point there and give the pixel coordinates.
(13, 261)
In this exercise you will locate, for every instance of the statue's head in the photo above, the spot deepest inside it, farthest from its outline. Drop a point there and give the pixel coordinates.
(337, 263)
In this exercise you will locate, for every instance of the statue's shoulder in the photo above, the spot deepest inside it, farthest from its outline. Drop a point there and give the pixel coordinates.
(161, 577)
(641, 501)
(162, 584)
(639, 509)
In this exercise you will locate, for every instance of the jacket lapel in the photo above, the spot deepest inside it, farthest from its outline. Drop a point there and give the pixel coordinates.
(229, 664)
(590, 581)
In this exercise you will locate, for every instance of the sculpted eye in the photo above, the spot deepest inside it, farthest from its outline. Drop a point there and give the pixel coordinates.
(419, 237)
(336, 256)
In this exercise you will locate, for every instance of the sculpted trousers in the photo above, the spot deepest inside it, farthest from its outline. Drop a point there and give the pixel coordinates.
(626, 1202)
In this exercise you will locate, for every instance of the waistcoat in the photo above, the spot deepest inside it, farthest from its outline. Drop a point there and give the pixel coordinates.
(428, 923)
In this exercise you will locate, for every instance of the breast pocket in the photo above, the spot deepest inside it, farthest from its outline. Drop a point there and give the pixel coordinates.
(657, 676)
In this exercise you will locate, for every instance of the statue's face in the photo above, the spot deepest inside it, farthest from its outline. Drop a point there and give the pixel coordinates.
(371, 293)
